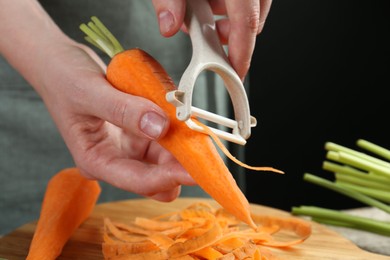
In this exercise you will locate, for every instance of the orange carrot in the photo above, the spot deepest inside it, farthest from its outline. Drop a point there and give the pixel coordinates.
(68, 201)
(137, 73)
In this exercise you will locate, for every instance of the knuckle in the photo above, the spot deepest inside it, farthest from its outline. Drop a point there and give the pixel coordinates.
(119, 113)
(253, 21)
(246, 64)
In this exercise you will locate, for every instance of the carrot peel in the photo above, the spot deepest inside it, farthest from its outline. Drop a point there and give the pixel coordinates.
(233, 241)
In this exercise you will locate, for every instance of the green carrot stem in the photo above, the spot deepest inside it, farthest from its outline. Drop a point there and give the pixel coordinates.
(98, 35)
(95, 39)
(89, 39)
(337, 217)
(99, 32)
(346, 191)
(115, 43)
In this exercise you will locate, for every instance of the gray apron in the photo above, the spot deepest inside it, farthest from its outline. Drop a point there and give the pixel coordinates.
(31, 149)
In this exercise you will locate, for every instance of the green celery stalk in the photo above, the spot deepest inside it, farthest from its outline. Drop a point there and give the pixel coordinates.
(374, 148)
(346, 191)
(374, 193)
(334, 217)
(359, 176)
(359, 162)
(353, 172)
(364, 157)
(362, 182)
(333, 222)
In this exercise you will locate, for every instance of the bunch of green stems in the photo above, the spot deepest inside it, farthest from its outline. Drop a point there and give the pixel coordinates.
(358, 175)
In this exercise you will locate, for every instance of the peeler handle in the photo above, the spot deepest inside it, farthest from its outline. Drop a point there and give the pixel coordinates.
(202, 29)
(208, 54)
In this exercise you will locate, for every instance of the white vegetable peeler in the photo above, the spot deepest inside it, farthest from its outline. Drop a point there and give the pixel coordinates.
(208, 54)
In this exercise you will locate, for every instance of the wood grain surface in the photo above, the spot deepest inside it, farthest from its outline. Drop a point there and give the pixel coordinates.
(86, 242)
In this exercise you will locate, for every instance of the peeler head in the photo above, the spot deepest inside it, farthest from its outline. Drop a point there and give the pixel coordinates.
(236, 130)
(208, 54)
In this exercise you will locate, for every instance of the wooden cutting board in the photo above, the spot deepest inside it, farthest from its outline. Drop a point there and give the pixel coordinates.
(86, 242)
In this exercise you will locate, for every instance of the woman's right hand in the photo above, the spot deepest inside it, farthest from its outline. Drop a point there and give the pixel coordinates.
(243, 21)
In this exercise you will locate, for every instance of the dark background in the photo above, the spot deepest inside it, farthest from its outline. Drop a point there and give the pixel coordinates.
(320, 73)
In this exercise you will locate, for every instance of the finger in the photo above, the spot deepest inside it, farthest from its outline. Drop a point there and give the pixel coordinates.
(170, 15)
(136, 115)
(244, 24)
(218, 6)
(265, 6)
(141, 178)
(223, 26)
(156, 154)
(168, 195)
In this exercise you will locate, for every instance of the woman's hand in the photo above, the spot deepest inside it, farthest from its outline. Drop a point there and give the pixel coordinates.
(243, 21)
(111, 135)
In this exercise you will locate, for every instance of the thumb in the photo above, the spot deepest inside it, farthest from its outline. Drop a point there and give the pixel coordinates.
(136, 115)
(170, 15)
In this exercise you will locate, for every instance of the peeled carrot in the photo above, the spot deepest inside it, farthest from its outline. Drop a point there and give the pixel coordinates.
(68, 201)
(137, 73)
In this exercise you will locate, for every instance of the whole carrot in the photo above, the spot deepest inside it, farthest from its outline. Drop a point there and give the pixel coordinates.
(68, 201)
(136, 72)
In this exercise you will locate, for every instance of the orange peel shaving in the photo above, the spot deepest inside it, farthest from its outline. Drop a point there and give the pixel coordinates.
(219, 236)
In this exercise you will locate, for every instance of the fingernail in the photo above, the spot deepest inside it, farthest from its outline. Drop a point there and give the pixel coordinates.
(166, 21)
(152, 124)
